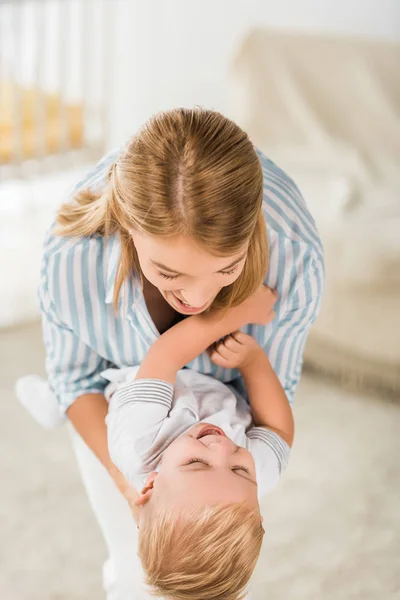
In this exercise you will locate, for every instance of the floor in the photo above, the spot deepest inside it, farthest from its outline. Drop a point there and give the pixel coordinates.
(333, 525)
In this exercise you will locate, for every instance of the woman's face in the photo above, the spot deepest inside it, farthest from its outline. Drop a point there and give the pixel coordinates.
(186, 275)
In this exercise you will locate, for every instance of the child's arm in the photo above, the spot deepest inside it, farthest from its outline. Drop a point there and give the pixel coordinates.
(136, 414)
(189, 338)
(141, 405)
(269, 404)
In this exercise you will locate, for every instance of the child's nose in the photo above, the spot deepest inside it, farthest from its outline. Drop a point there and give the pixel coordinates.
(223, 446)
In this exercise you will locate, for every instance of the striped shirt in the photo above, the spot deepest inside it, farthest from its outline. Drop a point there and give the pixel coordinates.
(147, 415)
(83, 335)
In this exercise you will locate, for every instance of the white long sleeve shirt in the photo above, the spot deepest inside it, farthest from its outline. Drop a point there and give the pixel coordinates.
(147, 415)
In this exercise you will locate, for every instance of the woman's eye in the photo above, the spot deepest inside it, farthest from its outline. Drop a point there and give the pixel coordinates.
(171, 277)
(230, 272)
(167, 276)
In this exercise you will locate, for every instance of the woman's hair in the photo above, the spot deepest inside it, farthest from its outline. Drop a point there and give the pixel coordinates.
(188, 171)
(209, 555)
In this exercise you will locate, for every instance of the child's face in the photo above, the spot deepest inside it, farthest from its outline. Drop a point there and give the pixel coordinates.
(204, 466)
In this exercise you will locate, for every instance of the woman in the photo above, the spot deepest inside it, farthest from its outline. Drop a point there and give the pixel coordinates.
(188, 217)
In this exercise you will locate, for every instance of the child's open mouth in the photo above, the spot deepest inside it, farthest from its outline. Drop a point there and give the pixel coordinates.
(210, 430)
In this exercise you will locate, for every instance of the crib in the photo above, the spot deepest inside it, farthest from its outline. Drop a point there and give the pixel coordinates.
(55, 58)
(55, 64)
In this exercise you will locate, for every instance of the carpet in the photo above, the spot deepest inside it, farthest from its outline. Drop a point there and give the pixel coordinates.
(332, 525)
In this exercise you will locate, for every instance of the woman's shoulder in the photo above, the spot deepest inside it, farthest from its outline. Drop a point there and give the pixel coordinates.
(78, 267)
(62, 248)
(286, 213)
(95, 180)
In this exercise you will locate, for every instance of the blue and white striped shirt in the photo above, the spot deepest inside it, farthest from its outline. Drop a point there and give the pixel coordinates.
(83, 336)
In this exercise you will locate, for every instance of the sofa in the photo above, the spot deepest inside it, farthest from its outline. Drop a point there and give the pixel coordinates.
(327, 110)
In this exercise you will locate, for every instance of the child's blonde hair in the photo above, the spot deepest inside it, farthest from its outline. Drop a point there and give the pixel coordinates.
(187, 172)
(209, 555)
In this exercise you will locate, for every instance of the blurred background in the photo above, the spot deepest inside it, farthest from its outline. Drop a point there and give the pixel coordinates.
(316, 85)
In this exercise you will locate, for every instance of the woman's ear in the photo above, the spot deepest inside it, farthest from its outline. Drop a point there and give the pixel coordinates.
(146, 492)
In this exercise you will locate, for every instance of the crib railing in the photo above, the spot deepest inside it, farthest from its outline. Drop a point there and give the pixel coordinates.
(55, 58)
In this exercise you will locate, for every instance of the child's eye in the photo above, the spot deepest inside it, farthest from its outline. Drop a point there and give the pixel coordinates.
(167, 276)
(200, 460)
(196, 460)
(239, 468)
(231, 271)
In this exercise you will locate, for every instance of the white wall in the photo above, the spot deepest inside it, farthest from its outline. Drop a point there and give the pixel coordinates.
(166, 52)
(57, 44)
(177, 52)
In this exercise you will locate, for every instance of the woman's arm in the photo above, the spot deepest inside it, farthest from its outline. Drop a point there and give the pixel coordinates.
(284, 345)
(87, 414)
(75, 378)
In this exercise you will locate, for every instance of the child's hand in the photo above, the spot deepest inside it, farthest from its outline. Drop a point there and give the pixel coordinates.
(236, 350)
(258, 309)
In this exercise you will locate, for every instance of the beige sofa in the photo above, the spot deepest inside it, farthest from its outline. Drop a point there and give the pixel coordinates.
(328, 111)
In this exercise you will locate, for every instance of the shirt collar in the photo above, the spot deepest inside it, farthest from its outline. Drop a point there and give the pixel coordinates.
(131, 288)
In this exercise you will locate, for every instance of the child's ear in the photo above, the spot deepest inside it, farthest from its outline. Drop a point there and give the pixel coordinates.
(145, 494)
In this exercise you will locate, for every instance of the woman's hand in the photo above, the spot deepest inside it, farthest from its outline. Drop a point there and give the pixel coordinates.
(126, 489)
(235, 351)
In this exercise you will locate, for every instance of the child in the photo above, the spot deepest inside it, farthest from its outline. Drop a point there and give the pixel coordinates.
(200, 456)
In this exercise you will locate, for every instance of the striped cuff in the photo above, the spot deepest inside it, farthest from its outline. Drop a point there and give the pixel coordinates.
(145, 390)
(280, 448)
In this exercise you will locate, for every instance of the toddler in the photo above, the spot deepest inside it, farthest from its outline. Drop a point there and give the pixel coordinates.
(200, 455)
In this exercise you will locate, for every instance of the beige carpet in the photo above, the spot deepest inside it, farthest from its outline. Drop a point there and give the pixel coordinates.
(333, 525)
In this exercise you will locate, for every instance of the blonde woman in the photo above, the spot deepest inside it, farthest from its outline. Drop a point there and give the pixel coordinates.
(186, 219)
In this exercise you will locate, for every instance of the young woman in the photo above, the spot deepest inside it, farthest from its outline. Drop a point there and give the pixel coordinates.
(188, 217)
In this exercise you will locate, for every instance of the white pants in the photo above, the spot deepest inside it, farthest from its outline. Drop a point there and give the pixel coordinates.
(122, 572)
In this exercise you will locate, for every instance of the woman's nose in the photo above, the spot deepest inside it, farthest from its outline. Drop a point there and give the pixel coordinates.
(198, 297)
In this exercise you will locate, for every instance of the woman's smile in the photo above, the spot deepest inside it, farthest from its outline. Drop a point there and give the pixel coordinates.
(183, 306)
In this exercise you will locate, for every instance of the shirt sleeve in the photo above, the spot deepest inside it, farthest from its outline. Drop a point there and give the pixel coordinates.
(285, 346)
(271, 456)
(136, 412)
(285, 338)
(73, 368)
